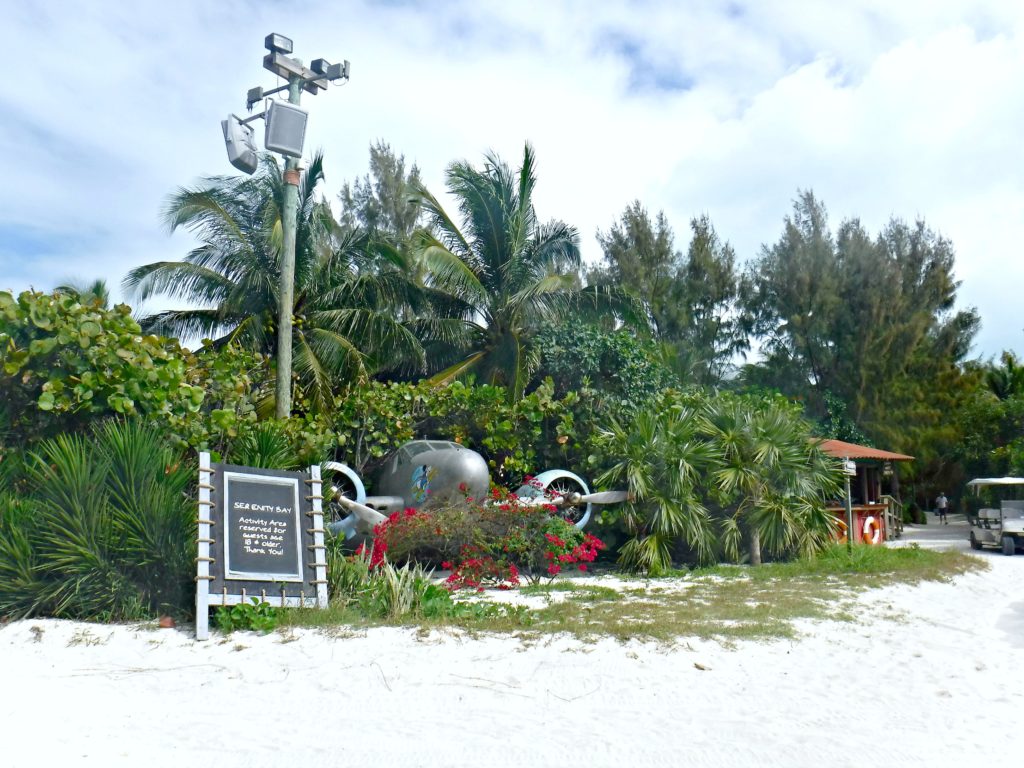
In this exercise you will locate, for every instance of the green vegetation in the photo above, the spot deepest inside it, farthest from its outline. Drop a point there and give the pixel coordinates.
(345, 289)
(690, 299)
(482, 328)
(361, 595)
(255, 616)
(64, 364)
(107, 531)
(706, 472)
(724, 603)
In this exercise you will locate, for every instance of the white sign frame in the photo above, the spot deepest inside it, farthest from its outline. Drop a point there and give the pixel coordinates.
(206, 523)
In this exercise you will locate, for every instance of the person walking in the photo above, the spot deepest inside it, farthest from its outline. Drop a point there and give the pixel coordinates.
(940, 506)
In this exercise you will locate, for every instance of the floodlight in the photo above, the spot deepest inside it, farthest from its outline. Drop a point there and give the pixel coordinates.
(240, 143)
(286, 128)
(277, 43)
(319, 66)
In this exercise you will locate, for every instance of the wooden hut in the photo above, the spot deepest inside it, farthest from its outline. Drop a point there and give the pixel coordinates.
(874, 491)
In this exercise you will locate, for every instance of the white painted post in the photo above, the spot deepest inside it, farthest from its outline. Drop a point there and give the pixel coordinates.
(319, 550)
(205, 515)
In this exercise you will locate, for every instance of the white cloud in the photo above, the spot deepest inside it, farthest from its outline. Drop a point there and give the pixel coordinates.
(907, 109)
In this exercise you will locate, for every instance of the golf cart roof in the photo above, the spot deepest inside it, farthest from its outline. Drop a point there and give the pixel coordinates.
(983, 481)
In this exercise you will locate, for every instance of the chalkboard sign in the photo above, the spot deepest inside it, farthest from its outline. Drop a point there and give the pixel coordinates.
(259, 536)
(261, 528)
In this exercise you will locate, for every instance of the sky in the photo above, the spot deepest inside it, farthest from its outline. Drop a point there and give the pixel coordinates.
(912, 109)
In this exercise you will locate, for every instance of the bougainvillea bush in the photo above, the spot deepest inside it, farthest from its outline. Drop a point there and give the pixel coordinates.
(496, 542)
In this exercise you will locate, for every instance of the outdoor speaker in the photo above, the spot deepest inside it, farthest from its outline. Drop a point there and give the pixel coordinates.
(286, 128)
(241, 146)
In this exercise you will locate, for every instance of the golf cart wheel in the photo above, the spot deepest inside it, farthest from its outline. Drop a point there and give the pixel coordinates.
(975, 544)
(1009, 545)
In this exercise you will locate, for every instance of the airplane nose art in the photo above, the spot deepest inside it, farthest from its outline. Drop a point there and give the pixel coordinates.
(421, 479)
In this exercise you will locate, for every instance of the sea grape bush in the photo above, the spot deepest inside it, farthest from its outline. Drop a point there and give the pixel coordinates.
(371, 421)
(63, 363)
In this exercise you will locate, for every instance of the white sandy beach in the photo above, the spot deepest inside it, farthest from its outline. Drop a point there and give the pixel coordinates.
(932, 675)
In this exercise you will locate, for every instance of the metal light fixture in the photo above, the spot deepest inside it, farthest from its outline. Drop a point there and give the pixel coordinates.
(286, 134)
(338, 72)
(277, 43)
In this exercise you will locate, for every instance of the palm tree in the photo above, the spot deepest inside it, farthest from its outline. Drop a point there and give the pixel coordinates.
(774, 479)
(1006, 379)
(497, 274)
(344, 324)
(95, 292)
(662, 457)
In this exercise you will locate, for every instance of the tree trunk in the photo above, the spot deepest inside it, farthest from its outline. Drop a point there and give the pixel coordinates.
(755, 547)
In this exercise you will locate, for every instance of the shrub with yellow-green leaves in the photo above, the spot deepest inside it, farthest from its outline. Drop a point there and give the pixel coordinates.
(64, 362)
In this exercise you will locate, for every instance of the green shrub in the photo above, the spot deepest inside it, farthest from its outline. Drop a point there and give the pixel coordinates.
(623, 372)
(911, 513)
(266, 444)
(485, 544)
(395, 593)
(383, 592)
(538, 430)
(256, 616)
(109, 532)
(63, 363)
(346, 574)
(390, 593)
(706, 473)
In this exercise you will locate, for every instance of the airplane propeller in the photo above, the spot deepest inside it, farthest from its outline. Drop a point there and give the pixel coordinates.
(366, 514)
(601, 497)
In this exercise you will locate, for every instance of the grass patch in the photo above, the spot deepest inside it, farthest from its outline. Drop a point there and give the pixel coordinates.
(470, 615)
(722, 602)
(583, 593)
(864, 566)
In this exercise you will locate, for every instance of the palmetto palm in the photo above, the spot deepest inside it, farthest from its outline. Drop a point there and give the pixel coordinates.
(497, 274)
(661, 459)
(109, 531)
(344, 325)
(773, 478)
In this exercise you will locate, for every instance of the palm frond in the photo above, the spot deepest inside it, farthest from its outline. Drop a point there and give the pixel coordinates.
(460, 369)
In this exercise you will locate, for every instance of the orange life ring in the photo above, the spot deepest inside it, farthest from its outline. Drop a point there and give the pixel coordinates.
(872, 531)
(841, 531)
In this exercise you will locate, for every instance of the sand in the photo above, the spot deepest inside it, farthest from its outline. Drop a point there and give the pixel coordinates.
(929, 675)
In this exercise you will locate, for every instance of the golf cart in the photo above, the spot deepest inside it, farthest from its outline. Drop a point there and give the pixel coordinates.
(1003, 527)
